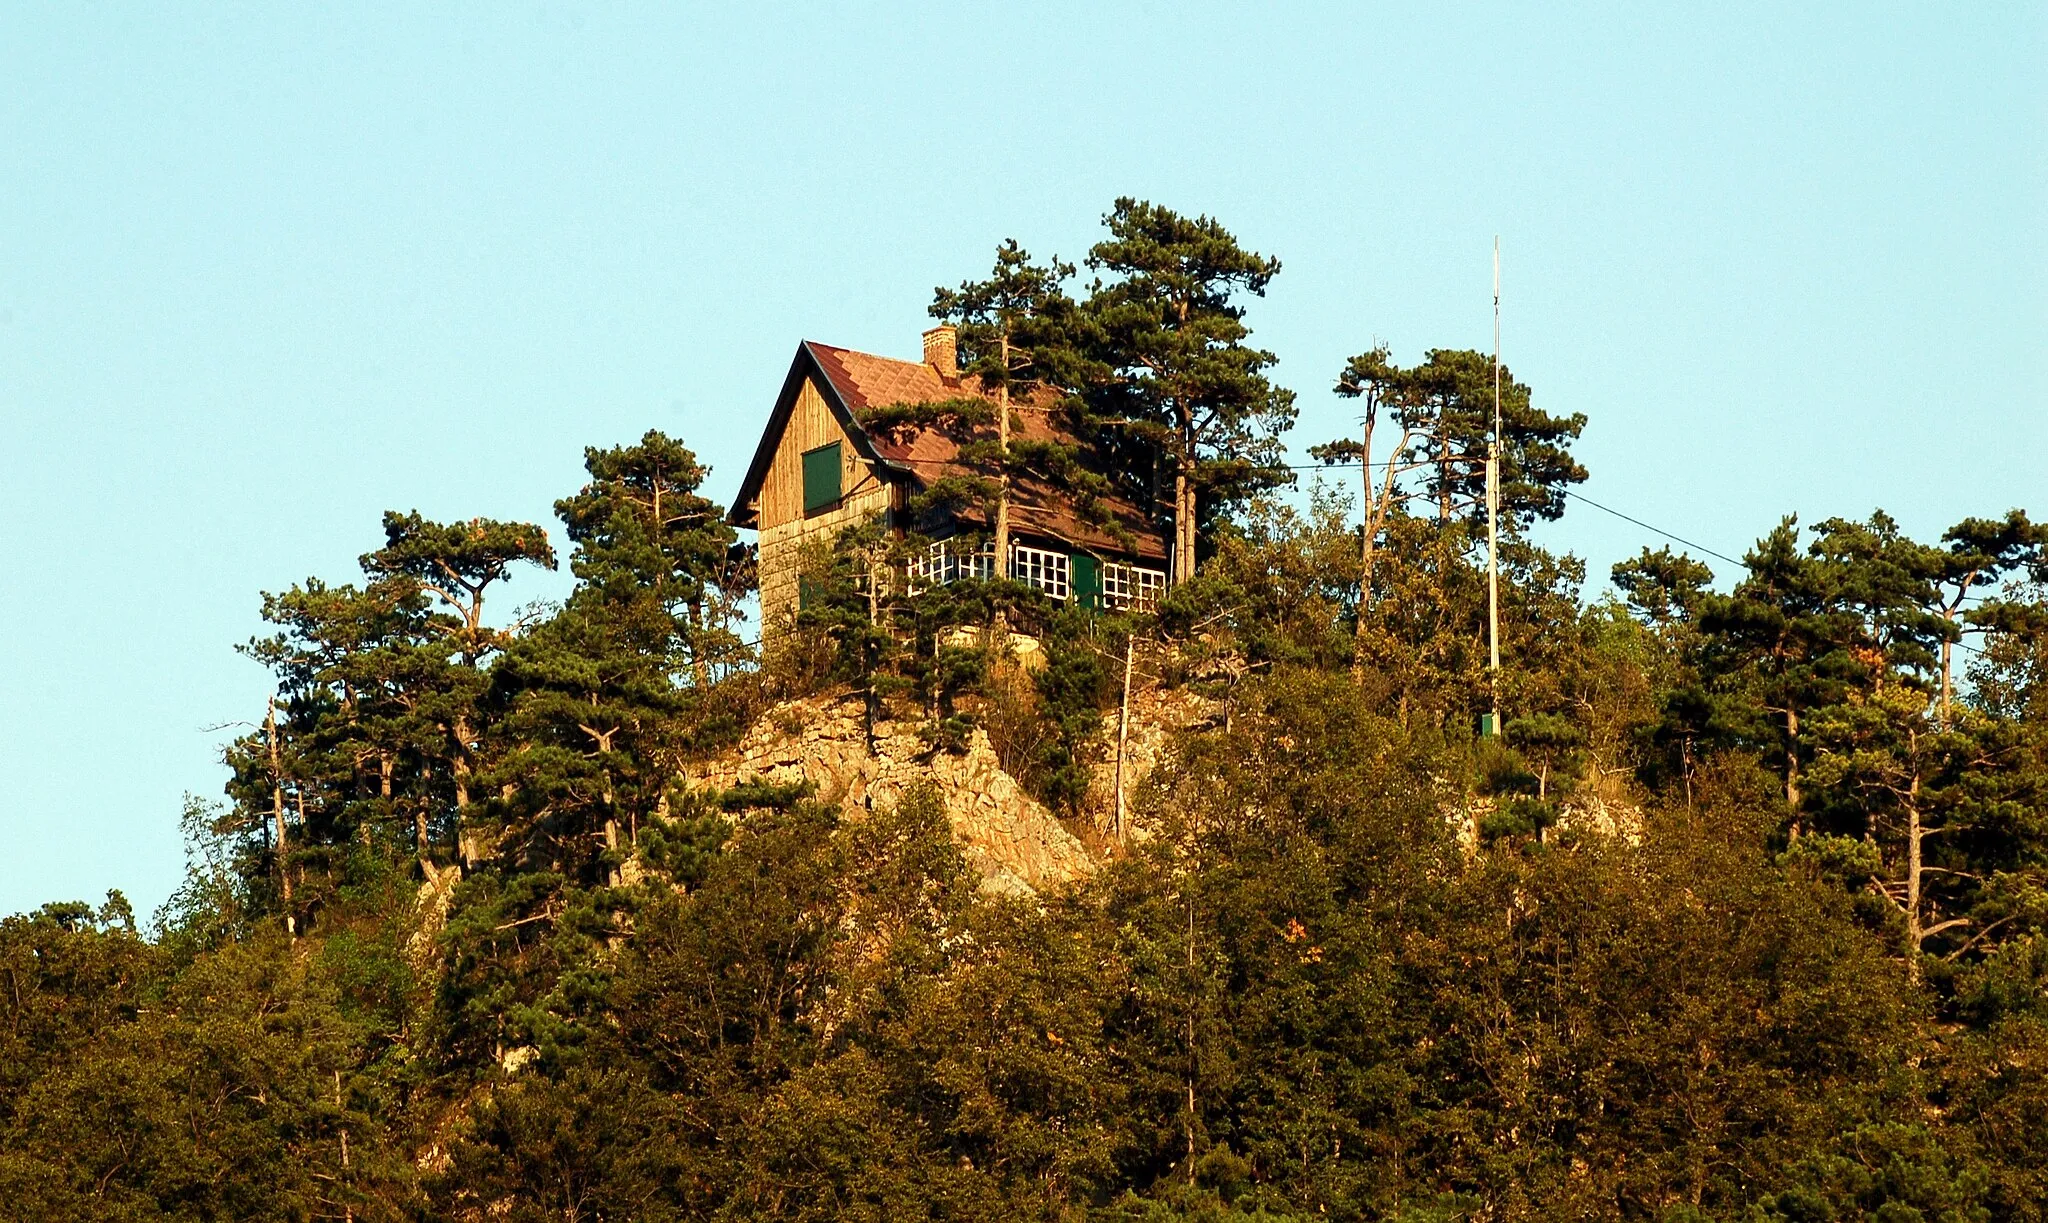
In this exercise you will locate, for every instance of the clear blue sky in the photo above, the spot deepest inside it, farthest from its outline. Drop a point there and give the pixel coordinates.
(268, 271)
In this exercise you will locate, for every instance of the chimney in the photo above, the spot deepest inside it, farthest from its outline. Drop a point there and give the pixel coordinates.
(939, 350)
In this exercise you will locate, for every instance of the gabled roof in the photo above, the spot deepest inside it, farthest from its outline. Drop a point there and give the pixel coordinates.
(853, 383)
(745, 512)
(865, 382)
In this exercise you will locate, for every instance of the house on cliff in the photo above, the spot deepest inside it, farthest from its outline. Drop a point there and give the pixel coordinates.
(819, 470)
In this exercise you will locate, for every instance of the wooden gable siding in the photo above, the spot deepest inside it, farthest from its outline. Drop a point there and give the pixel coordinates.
(785, 528)
(811, 425)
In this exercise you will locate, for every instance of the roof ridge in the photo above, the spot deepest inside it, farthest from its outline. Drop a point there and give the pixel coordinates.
(872, 356)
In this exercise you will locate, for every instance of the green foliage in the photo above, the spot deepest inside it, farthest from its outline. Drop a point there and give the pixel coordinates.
(1743, 916)
(1075, 686)
(1443, 410)
(457, 563)
(1271, 592)
(1011, 325)
(223, 1090)
(1164, 375)
(643, 533)
(940, 648)
(1663, 586)
(1014, 332)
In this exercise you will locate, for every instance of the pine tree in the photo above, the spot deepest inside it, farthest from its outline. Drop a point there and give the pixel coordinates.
(643, 531)
(1010, 327)
(595, 702)
(1443, 409)
(1663, 587)
(1450, 402)
(1165, 371)
(458, 563)
(1980, 552)
(1377, 384)
(1776, 648)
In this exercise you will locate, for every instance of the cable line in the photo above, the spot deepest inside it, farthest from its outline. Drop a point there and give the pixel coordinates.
(1579, 496)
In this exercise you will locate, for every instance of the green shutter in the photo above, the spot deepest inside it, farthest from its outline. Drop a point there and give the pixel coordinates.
(821, 478)
(1086, 577)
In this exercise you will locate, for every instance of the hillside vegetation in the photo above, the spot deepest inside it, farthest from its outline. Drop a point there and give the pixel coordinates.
(1742, 916)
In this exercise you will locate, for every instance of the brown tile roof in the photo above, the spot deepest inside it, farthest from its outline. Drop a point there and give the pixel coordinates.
(864, 381)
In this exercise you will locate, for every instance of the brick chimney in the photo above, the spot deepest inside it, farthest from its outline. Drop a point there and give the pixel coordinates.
(940, 352)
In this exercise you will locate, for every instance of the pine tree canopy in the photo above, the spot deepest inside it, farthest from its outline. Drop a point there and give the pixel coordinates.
(609, 909)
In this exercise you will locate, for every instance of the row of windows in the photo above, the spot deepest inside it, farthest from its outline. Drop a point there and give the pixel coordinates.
(1125, 586)
(1122, 586)
(944, 563)
(1117, 585)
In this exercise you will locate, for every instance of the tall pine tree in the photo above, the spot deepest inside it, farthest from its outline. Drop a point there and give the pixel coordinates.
(1168, 378)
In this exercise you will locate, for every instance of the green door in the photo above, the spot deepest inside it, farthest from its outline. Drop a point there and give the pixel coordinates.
(821, 478)
(1087, 580)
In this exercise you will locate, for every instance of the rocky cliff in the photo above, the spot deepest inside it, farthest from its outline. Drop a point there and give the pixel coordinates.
(1016, 843)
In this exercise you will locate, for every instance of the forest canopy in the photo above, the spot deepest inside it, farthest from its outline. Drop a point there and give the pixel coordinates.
(1741, 915)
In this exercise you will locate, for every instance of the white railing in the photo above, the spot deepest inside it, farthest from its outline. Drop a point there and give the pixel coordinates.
(1124, 587)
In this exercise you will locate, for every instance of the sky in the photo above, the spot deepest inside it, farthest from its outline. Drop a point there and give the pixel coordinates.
(269, 271)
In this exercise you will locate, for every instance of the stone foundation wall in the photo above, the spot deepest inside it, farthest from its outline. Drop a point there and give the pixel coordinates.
(782, 549)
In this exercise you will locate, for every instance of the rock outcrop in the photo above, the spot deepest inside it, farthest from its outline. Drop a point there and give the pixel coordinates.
(1012, 838)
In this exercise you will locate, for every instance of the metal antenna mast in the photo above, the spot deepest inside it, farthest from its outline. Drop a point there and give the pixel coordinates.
(1493, 513)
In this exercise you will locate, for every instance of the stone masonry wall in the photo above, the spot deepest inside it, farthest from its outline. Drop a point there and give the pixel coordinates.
(782, 548)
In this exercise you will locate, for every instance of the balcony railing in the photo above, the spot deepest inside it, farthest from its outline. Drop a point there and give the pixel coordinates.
(1124, 586)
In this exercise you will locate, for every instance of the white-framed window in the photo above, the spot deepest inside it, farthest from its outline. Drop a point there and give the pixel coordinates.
(922, 572)
(978, 563)
(1127, 587)
(1051, 572)
(928, 570)
(949, 561)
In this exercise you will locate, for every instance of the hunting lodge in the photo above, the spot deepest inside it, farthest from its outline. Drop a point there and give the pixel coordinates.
(818, 470)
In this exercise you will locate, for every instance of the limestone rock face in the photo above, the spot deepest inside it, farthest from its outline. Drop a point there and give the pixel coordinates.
(1591, 813)
(1584, 814)
(1156, 716)
(435, 893)
(1016, 843)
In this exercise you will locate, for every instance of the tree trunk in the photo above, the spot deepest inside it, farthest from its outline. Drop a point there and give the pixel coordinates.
(1194, 1064)
(1914, 934)
(871, 662)
(1792, 790)
(1183, 520)
(1123, 738)
(1003, 459)
(284, 874)
(1685, 765)
(1947, 666)
(459, 768)
(1366, 530)
(700, 672)
(1443, 474)
(422, 844)
(1916, 833)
